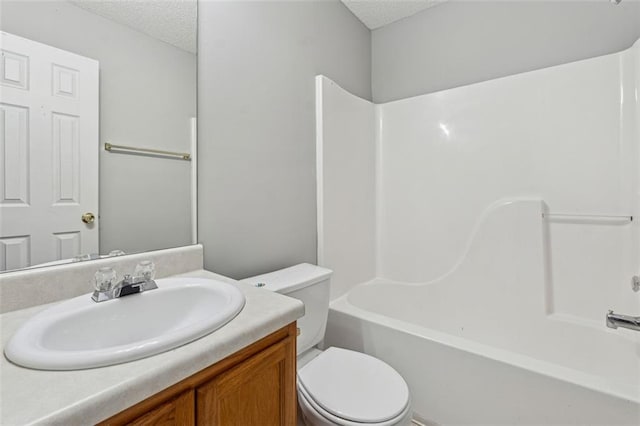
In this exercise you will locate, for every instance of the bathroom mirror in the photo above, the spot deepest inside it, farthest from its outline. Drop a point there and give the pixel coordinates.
(75, 76)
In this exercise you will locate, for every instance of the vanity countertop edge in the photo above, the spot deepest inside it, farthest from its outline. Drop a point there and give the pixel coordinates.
(89, 396)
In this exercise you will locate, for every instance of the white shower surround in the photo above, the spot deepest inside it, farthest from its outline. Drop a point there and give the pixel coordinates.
(430, 213)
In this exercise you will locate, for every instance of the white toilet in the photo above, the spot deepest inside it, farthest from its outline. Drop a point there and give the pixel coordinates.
(336, 386)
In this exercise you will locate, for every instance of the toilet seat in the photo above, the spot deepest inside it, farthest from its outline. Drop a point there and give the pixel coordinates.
(352, 388)
(316, 416)
(311, 409)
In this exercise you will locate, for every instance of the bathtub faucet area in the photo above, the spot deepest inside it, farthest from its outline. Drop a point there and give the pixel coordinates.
(625, 321)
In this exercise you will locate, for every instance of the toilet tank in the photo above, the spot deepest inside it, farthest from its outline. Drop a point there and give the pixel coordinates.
(310, 284)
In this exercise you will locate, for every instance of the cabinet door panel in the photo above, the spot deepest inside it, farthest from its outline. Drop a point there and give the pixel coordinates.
(178, 412)
(260, 391)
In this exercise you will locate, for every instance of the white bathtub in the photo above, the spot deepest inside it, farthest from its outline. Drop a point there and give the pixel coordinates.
(497, 218)
(456, 381)
(480, 345)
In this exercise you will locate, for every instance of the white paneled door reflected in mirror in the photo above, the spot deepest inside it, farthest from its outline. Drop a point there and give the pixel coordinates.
(74, 77)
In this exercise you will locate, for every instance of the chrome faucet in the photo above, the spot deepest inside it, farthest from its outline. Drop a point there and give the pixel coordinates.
(106, 287)
(132, 285)
(625, 321)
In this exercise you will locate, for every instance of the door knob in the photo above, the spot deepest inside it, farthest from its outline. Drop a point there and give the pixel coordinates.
(88, 217)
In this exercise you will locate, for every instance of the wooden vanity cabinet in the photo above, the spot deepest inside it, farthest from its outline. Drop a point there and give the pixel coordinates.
(178, 411)
(255, 386)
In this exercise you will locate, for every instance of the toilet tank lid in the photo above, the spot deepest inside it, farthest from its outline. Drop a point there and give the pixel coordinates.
(290, 279)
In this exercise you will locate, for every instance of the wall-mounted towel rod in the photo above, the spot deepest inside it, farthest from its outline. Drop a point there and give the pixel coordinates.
(567, 216)
(111, 147)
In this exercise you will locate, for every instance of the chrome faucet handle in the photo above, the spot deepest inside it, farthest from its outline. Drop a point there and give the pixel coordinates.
(104, 281)
(146, 270)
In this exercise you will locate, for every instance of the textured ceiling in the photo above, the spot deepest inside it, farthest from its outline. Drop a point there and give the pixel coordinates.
(377, 13)
(175, 21)
(172, 21)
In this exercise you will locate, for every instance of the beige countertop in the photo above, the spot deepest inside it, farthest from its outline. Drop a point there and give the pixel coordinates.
(89, 396)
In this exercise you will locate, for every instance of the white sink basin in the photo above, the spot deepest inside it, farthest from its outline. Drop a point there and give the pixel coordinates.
(80, 333)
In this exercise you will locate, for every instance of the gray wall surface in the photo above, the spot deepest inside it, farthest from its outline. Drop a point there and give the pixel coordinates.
(459, 43)
(256, 126)
(147, 95)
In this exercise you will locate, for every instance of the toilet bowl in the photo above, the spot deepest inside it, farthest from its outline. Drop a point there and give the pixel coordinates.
(343, 387)
(336, 386)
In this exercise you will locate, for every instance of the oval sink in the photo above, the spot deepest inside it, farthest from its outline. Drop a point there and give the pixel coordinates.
(80, 333)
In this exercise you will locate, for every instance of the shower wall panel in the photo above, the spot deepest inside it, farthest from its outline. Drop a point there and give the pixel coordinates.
(566, 135)
(345, 157)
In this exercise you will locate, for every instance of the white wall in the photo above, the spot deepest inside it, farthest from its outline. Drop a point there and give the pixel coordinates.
(256, 67)
(346, 168)
(464, 42)
(147, 95)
